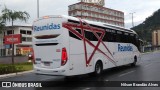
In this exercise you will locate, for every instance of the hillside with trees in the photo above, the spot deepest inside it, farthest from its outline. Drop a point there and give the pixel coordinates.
(145, 29)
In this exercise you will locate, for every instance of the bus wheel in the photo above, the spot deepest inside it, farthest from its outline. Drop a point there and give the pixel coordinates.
(98, 68)
(135, 61)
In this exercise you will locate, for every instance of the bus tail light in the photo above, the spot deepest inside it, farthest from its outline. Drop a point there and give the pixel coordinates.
(64, 56)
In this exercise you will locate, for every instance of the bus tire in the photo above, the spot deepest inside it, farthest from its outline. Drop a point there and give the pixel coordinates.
(68, 78)
(98, 68)
(135, 61)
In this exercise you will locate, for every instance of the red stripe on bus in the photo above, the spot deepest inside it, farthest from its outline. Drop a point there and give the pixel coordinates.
(70, 27)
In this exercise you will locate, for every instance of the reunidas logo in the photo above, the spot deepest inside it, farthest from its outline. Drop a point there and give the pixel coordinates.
(125, 48)
(47, 27)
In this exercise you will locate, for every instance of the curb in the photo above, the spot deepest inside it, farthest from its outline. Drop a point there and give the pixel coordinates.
(146, 53)
(14, 74)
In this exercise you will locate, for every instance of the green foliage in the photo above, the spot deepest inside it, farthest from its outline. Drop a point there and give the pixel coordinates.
(5, 69)
(9, 68)
(151, 23)
(11, 15)
(2, 24)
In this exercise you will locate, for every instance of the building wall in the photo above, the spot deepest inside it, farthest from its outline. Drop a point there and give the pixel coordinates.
(26, 32)
(156, 38)
(96, 13)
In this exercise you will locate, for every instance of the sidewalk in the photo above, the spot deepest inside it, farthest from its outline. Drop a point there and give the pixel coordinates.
(15, 74)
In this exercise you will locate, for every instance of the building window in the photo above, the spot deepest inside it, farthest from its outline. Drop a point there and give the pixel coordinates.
(22, 31)
(9, 32)
(29, 39)
(23, 38)
(29, 32)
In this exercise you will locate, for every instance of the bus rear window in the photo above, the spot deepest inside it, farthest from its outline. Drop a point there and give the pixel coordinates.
(47, 36)
(46, 44)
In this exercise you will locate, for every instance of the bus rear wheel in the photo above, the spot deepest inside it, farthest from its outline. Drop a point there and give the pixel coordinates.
(135, 61)
(98, 68)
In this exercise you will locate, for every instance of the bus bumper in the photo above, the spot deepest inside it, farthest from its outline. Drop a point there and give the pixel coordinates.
(54, 72)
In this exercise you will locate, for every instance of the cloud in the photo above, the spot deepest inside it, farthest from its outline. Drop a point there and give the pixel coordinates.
(143, 8)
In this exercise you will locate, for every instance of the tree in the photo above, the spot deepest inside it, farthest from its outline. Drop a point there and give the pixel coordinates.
(2, 24)
(146, 28)
(1, 34)
(11, 16)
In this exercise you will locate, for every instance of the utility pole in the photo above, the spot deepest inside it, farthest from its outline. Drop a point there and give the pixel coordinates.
(132, 18)
(37, 8)
(12, 44)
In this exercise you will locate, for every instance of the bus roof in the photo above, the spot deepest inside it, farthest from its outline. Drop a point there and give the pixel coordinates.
(105, 25)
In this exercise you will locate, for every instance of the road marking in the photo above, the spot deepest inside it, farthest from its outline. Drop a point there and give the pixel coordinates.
(47, 79)
(106, 80)
(86, 89)
(126, 73)
(148, 65)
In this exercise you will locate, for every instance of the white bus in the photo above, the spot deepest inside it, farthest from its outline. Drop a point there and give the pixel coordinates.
(65, 45)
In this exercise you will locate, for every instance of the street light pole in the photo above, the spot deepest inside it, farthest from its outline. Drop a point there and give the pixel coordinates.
(143, 37)
(132, 19)
(12, 44)
(37, 8)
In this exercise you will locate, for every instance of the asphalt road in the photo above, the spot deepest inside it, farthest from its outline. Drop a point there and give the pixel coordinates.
(148, 69)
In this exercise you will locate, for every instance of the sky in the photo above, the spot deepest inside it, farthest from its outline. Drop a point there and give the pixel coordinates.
(141, 8)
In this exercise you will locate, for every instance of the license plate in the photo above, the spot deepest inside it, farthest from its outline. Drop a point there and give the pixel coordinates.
(47, 63)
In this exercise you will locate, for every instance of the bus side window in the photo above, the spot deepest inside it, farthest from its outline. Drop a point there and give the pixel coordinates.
(79, 31)
(112, 36)
(132, 39)
(90, 36)
(119, 36)
(126, 37)
(106, 36)
(73, 35)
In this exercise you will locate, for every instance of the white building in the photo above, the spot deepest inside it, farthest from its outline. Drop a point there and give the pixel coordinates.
(23, 48)
(95, 12)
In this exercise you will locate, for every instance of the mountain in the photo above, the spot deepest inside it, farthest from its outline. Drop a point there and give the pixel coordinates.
(145, 29)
